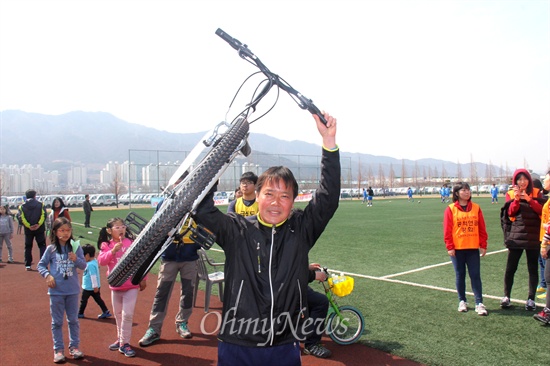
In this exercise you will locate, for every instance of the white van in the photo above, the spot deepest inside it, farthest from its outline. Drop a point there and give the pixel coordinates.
(74, 200)
(124, 198)
(106, 199)
(48, 200)
(15, 201)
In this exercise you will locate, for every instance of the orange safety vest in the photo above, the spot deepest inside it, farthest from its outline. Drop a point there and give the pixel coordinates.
(512, 196)
(465, 227)
(245, 210)
(533, 194)
(545, 218)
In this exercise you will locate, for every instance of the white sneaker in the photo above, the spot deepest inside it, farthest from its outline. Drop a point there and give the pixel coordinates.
(480, 309)
(463, 306)
(505, 302)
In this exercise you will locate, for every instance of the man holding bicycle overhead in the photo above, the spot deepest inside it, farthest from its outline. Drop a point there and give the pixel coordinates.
(266, 265)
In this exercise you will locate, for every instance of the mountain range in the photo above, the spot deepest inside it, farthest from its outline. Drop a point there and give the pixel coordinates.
(95, 138)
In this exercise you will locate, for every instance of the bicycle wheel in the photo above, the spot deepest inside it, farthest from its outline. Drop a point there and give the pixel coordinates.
(155, 233)
(346, 328)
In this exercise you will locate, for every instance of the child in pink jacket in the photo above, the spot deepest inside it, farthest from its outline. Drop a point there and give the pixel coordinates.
(113, 241)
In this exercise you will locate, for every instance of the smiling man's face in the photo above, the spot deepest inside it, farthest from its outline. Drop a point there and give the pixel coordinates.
(275, 201)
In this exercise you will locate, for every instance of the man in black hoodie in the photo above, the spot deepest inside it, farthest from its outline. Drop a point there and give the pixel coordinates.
(33, 215)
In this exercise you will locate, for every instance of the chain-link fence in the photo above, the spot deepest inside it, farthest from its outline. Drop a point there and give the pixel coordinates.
(150, 170)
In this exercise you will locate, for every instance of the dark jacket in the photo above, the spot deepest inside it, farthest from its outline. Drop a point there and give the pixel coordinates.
(87, 206)
(183, 252)
(521, 231)
(180, 250)
(266, 268)
(33, 212)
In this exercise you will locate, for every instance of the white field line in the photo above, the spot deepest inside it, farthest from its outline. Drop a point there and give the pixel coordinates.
(434, 266)
(389, 278)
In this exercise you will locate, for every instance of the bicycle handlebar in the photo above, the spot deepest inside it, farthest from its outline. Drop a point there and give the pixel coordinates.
(244, 52)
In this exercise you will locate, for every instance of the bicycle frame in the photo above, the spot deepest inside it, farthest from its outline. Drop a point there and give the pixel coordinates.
(197, 176)
(334, 308)
(344, 324)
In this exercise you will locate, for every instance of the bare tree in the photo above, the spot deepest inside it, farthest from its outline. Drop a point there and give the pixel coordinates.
(473, 171)
(3, 185)
(458, 170)
(117, 184)
(392, 175)
(489, 172)
(403, 172)
(359, 174)
(370, 175)
(424, 175)
(415, 174)
(381, 176)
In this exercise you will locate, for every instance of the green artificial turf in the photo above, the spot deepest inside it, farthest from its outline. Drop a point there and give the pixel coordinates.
(414, 314)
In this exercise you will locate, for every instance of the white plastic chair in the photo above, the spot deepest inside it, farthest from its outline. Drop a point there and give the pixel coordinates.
(209, 278)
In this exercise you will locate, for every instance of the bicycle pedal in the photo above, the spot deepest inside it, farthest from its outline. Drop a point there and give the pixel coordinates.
(202, 236)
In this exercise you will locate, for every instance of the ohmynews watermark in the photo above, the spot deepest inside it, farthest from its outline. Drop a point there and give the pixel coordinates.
(228, 324)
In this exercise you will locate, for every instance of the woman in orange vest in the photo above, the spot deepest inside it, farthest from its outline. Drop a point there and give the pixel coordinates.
(523, 210)
(544, 315)
(466, 240)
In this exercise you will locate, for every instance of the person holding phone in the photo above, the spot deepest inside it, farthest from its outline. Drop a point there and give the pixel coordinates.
(520, 218)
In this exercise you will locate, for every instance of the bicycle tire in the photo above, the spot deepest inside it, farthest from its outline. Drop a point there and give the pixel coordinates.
(150, 240)
(349, 333)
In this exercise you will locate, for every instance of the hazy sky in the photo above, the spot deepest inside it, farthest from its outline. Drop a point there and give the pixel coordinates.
(412, 79)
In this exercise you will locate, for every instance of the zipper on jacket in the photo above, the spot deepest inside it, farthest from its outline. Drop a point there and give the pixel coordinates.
(238, 299)
(272, 336)
(258, 250)
(302, 310)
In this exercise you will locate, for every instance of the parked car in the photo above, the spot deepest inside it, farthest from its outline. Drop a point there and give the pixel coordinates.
(503, 188)
(345, 193)
(149, 196)
(485, 189)
(74, 200)
(48, 199)
(124, 199)
(138, 198)
(107, 199)
(15, 201)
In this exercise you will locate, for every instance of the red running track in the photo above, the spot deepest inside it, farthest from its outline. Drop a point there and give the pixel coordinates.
(25, 330)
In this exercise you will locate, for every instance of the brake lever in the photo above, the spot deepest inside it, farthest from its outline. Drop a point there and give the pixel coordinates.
(312, 108)
(325, 269)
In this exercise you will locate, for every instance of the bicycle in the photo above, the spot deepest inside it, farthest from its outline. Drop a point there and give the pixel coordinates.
(196, 176)
(344, 324)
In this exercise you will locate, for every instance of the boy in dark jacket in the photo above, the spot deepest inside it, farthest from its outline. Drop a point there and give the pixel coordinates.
(33, 216)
